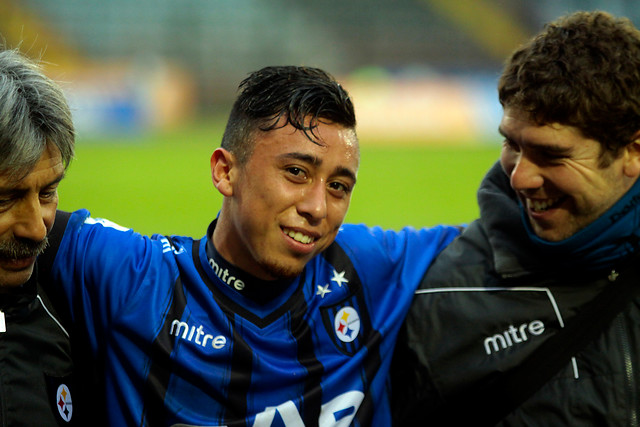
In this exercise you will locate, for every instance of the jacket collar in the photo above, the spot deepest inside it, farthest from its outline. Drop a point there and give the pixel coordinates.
(513, 252)
(517, 251)
(20, 301)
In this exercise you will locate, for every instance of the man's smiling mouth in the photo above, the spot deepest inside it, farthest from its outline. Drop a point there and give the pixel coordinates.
(298, 236)
(541, 205)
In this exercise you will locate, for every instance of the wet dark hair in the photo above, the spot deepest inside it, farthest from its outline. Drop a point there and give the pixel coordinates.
(582, 70)
(301, 95)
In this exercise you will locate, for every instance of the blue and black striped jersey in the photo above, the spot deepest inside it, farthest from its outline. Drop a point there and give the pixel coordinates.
(181, 343)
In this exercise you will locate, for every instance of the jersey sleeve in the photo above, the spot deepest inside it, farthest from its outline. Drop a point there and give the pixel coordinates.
(101, 268)
(402, 257)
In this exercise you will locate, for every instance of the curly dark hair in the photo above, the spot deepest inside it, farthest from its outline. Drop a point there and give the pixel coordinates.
(302, 95)
(582, 70)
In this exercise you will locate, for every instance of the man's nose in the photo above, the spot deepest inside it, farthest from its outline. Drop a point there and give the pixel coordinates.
(313, 203)
(29, 220)
(525, 174)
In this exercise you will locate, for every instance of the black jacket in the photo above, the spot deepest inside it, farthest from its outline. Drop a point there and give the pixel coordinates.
(490, 299)
(36, 371)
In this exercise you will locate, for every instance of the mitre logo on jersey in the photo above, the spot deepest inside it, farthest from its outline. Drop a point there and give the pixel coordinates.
(197, 334)
(347, 324)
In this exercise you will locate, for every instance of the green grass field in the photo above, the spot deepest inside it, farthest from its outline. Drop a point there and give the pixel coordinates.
(161, 183)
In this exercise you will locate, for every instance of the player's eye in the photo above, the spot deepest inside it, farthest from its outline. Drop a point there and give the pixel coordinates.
(340, 189)
(296, 173)
(510, 145)
(48, 194)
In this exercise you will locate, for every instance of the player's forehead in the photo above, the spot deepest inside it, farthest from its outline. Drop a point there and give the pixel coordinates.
(518, 127)
(329, 141)
(49, 168)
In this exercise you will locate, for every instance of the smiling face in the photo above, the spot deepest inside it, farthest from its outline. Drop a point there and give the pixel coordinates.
(27, 212)
(286, 204)
(558, 174)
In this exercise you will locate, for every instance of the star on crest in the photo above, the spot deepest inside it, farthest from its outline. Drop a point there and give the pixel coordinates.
(339, 278)
(322, 290)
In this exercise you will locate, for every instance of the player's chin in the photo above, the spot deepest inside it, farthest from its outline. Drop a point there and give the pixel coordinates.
(284, 267)
(285, 271)
(13, 279)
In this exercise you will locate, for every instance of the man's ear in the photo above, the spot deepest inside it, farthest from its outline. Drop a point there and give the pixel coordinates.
(632, 157)
(223, 164)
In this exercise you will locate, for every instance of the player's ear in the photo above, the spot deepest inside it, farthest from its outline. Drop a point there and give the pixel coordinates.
(632, 157)
(223, 164)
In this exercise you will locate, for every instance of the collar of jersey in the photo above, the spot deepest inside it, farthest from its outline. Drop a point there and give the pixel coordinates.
(239, 281)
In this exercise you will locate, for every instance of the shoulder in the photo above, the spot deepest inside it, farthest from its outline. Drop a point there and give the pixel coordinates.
(362, 235)
(401, 256)
(468, 260)
(95, 247)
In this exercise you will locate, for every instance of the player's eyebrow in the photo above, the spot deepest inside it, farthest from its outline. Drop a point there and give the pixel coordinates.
(56, 180)
(346, 172)
(315, 161)
(307, 158)
(548, 147)
(17, 189)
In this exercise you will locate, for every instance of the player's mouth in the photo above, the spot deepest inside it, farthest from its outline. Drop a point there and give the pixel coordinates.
(17, 255)
(298, 236)
(17, 264)
(542, 205)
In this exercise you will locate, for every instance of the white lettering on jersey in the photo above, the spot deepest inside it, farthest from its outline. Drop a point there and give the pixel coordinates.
(330, 413)
(105, 223)
(223, 274)
(196, 334)
(288, 412)
(512, 336)
(167, 247)
(350, 400)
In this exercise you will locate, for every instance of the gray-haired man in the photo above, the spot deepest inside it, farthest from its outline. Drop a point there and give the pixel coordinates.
(36, 142)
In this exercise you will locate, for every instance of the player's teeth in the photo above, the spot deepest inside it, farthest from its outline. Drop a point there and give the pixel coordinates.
(542, 205)
(299, 237)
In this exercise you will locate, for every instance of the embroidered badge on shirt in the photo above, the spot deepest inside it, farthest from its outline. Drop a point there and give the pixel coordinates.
(64, 403)
(59, 390)
(347, 324)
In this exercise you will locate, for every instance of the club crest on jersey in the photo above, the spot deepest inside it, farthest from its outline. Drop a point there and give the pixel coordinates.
(347, 324)
(64, 403)
(343, 324)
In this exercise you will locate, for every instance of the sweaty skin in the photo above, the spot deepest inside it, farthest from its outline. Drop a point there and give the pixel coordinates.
(286, 204)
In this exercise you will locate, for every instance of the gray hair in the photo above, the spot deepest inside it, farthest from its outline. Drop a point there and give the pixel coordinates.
(34, 115)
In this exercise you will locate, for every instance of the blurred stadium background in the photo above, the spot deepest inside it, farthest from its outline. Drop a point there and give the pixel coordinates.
(151, 81)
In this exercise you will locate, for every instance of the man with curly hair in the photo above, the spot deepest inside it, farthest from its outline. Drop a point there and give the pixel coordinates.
(531, 317)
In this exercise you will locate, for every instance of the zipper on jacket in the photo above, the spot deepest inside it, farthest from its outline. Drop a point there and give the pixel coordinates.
(629, 373)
